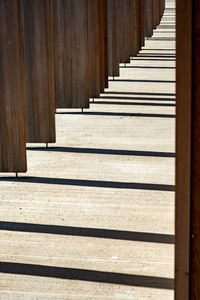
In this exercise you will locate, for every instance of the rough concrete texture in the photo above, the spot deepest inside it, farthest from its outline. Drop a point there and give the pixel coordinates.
(105, 192)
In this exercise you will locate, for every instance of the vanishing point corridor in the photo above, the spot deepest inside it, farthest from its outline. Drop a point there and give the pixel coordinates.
(99, 221)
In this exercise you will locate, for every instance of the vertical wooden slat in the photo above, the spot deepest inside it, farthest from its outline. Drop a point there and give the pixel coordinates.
(62, 51)
(36, 22)
(113, 38)
(124, 34)
(136, 27)
(79, 53)
(93, 48)
(105, 41)
(195, 193)
(148, 18)
(183, 148)
(12, 123)
(103, 44)
(156, 13)
(142, 28)
(71, 53)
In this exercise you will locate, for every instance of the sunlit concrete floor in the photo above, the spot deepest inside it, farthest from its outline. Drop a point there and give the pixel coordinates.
(93, 218)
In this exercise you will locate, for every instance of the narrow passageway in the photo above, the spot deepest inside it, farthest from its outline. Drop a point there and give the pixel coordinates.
(99, 223)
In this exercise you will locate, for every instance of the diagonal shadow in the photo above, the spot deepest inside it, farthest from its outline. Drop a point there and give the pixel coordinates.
(88, 232)
(141, 93)
(93, 183)
(153, 59)
(165, 31)
(143, 80)
(159, 55)
(164, 38)
(135, 98)
(87, 275)
(154, 49)
(116, 114)
(103, 151)
(133, 103)
(145, 67)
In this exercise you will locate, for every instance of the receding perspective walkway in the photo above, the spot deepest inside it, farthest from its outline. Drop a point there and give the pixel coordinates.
(94, 216)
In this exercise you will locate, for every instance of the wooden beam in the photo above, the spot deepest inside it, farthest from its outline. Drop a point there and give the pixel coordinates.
(183, 148)
(12, 122)
(103, 44)
(93, 48)
(70, 20)
(142, 20)
(136, 27)
(113, 38)
(124, 34)
(195, 156)
(36, 28)
(148, 18)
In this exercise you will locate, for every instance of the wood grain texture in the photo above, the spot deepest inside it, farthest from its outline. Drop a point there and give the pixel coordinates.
(71, 53)
(12, 122)
(156, 13)
(93, 48)
(103, 44)
(36, 27)
(135, 40)
(124, 34)
(142, 20)
(195, 202)
(113, 38)
(62, 53)
(183, 148)
(148, 18)
(161, 8)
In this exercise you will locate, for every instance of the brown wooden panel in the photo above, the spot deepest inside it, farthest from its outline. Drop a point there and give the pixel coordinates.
(71, 53)
(12, 124)
(161, 9)
(62, 54)
(135, 47)
(103, 44)
(106, 42)
(142, 28)
(113, 38)
(148, 18)
(124, 34)
(36, 27)
(195, 195)
(183, 148)
(156, 12)
(93, 48)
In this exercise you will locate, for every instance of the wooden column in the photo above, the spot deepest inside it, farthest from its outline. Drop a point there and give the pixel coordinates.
(70, 20)
(62, 54)
(93, 48)
(161, 9)
(113, 38)
(148, 18)
(156, 13)
(136, 27)
(12, 123)
(195, 157)
(124, 34)
(103, 44)
(36, 28)
(187, 254)
(183, 148)
(142, 20)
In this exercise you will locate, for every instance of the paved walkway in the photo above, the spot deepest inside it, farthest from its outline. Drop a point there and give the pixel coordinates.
(94, 216)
